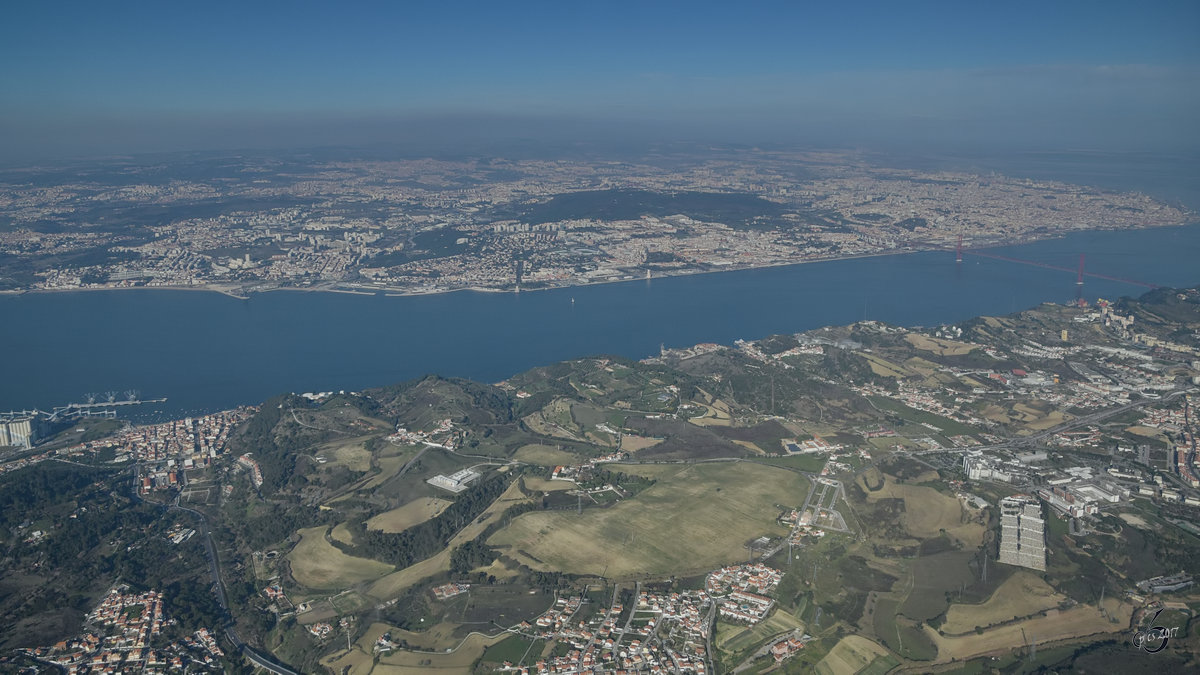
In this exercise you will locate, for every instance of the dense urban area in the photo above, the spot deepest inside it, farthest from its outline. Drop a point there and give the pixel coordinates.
(246, 223)
(1004, 494)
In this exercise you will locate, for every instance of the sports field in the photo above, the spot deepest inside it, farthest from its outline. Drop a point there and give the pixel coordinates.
(319, 565)
(1022, 594)
(694, 518)
(415, 512)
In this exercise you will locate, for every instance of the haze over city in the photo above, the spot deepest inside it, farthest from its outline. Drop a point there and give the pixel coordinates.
(91, 79)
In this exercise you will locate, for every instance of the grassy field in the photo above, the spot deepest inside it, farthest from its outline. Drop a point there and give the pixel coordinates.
(413, 513)
(1021, 595)
(932, 577)
(388, 587)
(350, 453)
(927, 512)
(318, 565)
(359, 661)
(851, 655)
(920, 416)
(1057, 625)
(512, 649)
(633, 443)
(695, 518)
(812, 463)
(389, 465)
(939, 346)
(883, 367)
(341, 533)
(543, 485)
(900, 634)
(544, 455)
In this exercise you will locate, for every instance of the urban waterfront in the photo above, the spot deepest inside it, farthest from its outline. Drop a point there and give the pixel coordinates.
(206, 351)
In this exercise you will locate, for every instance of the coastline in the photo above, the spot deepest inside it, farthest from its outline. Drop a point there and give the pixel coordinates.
(348, 288)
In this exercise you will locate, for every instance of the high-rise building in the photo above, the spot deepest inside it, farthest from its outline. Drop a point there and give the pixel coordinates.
(1022, 533)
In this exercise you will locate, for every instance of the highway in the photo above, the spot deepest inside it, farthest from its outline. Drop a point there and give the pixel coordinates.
(1025, 441)
(214, 563)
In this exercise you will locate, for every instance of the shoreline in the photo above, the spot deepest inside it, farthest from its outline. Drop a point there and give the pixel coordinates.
(348, 288)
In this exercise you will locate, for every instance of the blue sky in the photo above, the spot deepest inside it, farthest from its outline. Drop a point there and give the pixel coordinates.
(121, 76)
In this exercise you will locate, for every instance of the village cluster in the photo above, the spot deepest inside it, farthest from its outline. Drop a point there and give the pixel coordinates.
(444, 430)
(662, 632)
(125, 633)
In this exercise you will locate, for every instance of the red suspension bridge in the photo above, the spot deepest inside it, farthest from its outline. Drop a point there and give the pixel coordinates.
(1079, 273)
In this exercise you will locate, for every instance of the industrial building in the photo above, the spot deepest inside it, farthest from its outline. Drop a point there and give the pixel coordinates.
(1022, 533)
(19, 429)
(455, 482)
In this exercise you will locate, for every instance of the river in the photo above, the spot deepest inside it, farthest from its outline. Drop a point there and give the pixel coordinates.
(206, 351)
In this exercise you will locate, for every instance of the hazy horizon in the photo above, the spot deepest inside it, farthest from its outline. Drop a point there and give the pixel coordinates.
(89, 79)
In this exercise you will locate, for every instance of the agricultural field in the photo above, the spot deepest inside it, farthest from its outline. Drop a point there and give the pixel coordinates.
(694, 518)
(318, 565)
(737, 641)
(413, 513)
(1023, 594)
(853, 654)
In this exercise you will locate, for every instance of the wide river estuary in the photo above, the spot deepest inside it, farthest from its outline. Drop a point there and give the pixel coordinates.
(205, 351)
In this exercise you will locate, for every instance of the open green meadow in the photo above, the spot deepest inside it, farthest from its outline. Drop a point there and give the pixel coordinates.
(695, 517)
